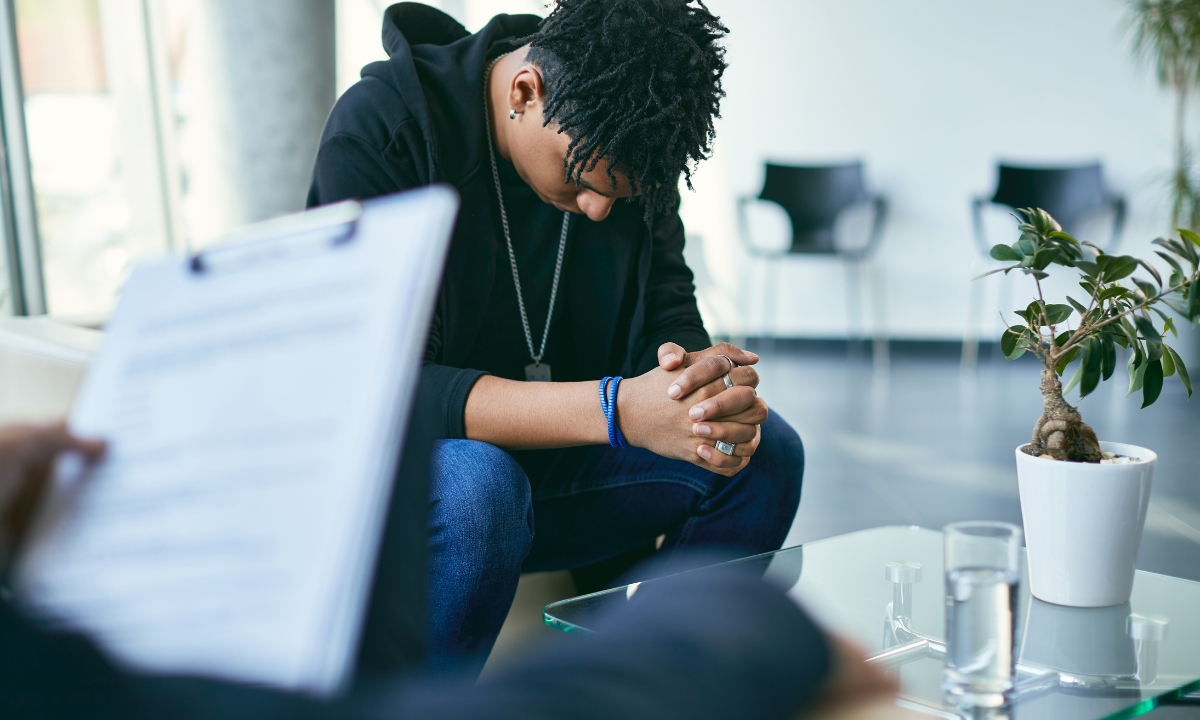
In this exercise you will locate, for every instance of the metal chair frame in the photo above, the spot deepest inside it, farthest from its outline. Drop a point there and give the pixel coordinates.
(1111, 201)
(854, 262)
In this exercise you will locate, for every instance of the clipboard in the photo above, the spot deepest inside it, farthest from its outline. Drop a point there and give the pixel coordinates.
(255, 396)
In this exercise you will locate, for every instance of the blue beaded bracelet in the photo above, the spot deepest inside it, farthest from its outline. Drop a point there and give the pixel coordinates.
(608, 405)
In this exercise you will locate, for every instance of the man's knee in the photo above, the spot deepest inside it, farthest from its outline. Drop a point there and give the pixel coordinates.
(781, 454)
(480, 499)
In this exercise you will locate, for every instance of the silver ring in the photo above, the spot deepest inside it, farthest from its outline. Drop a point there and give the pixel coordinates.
(728, 381)
(732, 364)
(725, 448)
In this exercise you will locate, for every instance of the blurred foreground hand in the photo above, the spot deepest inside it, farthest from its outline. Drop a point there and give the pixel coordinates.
(27, 453)
(856, 690)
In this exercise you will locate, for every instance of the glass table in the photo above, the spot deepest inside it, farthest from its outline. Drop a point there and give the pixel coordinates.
(883, 588)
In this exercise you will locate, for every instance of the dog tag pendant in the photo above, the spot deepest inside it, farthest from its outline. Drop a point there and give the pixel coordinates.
(537, 372)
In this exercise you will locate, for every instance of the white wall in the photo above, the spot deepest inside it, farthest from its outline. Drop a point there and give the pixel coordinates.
(930, 93)
(360, 23)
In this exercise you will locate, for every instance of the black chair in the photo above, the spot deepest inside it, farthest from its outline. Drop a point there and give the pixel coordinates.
(814, 197)
(1070, 194)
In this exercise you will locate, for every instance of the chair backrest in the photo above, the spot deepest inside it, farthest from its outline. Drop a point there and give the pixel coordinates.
(1064, 192)
(813, 196)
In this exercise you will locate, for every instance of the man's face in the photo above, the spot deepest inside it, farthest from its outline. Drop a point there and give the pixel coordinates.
(537, 152)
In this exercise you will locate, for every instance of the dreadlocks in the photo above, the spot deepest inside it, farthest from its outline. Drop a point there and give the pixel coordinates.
(636, 82)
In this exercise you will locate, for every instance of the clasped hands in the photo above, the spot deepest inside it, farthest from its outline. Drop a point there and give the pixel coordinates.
(682, 408)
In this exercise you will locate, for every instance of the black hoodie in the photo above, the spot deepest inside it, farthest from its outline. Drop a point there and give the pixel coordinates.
(418, 118)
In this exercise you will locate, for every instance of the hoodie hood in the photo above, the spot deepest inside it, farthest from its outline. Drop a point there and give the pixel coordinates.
(437, 68)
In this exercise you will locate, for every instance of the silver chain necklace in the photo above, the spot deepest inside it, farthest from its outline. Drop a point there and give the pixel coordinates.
(537, 372)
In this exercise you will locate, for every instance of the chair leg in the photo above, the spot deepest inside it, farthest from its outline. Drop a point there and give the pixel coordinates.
(970, 342)
(880, 351)
(770, 303)
(745, 295)
(854, 323)
(1005, 298)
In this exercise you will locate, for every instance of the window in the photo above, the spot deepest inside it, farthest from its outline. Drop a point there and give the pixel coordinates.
(95, 146)
(153, 126)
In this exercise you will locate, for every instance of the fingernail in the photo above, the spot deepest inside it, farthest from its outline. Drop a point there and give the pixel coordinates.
(705, 452)
(702, 430)
(673, 391)
(696, 413)
(753, 356)
(670, 358)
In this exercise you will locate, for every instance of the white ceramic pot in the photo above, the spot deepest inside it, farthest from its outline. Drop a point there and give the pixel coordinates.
(1083, 525)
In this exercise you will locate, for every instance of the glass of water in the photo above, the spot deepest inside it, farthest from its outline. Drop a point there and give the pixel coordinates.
(983, 568)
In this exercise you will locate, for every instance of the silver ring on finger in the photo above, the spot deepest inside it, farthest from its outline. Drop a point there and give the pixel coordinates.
(728, 381)
(732, 364)
(725, 448)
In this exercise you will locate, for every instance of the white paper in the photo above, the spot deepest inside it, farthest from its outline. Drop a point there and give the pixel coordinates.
(254, 415)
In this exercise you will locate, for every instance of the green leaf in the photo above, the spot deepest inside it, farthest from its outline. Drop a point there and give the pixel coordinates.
(1075, 377)
(1190, 236)
(1093, 355)
(1113, 291)
(1077, 305)
(1168, 363)
(1057, 313)
(1193, 304)
(1010, 342)
(1168, 325)
(1153, 382)
(1090, 269)
(1108, 360)
(1004, 253)
(1025, 247)
(1130, 333)
(1116, 267)
(1176, 304)
(1172, 262)
(1152, 270)
(1173, 245)
(1066, 360)
(1179, 368)
(1042, 258)
(1147, 289)
(1151, 336)
(1137, 375)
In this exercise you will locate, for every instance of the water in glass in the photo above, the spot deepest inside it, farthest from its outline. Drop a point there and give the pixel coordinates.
(980, 628)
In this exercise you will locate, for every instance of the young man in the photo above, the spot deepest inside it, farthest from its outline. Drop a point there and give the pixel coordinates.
(566, 140)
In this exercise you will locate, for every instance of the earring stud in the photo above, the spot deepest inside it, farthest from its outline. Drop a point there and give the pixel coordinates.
(512, 114)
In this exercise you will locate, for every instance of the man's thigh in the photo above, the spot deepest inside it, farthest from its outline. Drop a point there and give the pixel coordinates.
(595, 502)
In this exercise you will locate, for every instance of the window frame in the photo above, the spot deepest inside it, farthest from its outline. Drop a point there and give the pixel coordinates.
(18, 211)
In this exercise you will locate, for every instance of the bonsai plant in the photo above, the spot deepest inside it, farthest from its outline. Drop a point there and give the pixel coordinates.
(1084, 519)
(1113, 313)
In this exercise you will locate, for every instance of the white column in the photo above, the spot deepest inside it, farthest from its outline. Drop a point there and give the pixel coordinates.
(257, 80)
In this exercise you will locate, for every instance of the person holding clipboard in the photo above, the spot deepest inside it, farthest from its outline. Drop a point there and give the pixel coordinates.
(586, 413)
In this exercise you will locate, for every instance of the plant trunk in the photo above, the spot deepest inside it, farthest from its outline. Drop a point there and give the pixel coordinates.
(1060, 432)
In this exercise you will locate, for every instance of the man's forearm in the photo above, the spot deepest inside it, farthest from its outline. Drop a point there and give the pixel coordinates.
(534, 415)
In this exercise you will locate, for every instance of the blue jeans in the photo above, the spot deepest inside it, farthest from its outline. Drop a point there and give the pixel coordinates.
(591, 503)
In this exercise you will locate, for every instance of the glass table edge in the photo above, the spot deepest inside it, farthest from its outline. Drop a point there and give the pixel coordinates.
(1143, 707)
(560, 624)
(1153, 703)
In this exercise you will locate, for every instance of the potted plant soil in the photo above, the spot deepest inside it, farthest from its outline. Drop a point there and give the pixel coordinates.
(1084, 500)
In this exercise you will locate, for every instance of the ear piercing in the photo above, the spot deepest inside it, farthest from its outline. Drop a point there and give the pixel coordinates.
(512, 114)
